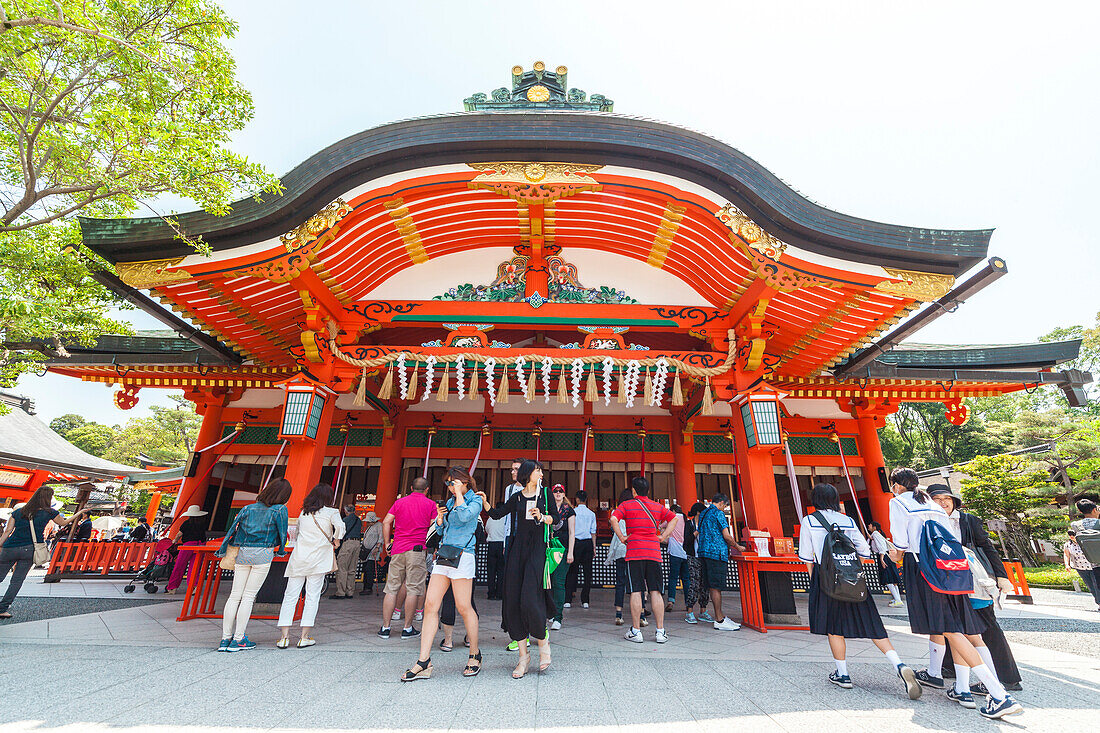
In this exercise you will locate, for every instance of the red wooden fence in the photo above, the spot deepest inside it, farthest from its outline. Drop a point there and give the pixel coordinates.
(75, 559)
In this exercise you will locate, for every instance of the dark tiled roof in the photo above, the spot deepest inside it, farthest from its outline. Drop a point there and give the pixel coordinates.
(572, 137)
(1040, 355)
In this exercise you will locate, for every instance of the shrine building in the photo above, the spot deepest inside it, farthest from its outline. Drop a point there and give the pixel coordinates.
(539, 276)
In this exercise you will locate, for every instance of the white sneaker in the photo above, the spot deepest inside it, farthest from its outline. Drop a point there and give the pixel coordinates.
(555, 626)
(584, 605)
(568, 605)
(896, 604)
(661, 636)
(727, 624)
(419, 615)
(635, 636)
(396, 616)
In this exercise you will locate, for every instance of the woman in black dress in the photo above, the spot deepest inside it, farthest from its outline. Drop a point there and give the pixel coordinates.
(528, 603)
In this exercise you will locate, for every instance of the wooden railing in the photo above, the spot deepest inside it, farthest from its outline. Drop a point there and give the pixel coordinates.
(1019, 583)
(102, 559)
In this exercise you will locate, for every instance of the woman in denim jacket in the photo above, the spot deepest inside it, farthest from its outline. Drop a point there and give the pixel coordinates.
(259, 530)
(459, 524)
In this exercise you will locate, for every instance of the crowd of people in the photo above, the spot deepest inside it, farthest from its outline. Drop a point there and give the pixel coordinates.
(541, 548)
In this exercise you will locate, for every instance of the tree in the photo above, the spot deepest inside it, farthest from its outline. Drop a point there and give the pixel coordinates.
(166, 437)
(62, 425)
(1012, 489)
(92, 438)
(104, 107)
(919, 435)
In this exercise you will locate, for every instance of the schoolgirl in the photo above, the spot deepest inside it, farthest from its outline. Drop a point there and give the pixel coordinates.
(939, 615)
(887, 569)
(837, 619)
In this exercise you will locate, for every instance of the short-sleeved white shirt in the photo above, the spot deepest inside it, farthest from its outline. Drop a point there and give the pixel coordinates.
(811, 537)
(907, 518)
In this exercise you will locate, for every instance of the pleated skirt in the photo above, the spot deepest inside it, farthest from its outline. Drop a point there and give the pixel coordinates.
(850, 620)
(936, 613)
(888, 571)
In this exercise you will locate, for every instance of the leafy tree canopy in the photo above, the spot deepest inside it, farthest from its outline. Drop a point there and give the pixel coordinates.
(104, 107)
(62, 425)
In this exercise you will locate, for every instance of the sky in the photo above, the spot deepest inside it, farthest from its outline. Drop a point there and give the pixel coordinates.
(941, 115)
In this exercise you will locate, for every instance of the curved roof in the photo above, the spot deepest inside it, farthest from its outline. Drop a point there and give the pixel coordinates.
(569, 137)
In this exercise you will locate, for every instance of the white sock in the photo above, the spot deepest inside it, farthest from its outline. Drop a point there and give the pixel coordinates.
(894, 592)
(661, 630)
(408, 628)
(987, 657)
(962, 678)
(385, 628)
(936, 653)
(893, 658)
(989, 679)
(841, 667)
(633, 630)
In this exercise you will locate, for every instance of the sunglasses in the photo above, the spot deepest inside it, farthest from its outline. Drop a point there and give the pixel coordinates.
(559, 491)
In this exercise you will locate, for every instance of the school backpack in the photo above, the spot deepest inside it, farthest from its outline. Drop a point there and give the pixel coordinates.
(943, 562)
(840, 572)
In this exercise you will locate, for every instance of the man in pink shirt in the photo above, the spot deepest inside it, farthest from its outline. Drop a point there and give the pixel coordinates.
(407, 523)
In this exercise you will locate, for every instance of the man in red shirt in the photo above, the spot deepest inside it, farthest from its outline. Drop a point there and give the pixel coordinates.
(643, 539)
(407, 523)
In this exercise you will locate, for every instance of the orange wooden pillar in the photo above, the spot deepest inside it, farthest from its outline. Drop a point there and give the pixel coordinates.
(193, 490)
(154, 506)
(683, 468)
(389, 473)
(305, 458)
(758, 478)
(871, 450)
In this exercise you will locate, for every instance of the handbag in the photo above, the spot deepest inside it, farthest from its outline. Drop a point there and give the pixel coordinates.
(555, 551)
(230, 559)
(41, 554)
(448, 555)
(331, 541)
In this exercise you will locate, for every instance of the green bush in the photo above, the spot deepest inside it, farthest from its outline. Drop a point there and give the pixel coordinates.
(1055, 576)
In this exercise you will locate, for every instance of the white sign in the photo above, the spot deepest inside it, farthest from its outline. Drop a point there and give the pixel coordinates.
(997, 525)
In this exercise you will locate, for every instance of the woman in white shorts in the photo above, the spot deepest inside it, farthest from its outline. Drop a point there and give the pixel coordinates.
(454, 568)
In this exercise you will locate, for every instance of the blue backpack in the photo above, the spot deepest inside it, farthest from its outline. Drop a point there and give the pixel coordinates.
(943, 562)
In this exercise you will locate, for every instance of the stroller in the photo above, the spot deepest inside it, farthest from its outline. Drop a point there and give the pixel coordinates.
(164, 557)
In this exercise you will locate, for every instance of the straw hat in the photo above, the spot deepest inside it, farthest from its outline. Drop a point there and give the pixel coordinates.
(194, 511)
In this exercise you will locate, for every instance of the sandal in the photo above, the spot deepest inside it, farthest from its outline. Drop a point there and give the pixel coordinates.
(422, 670)
(444, 646)
(283, 643)
(544, 661)
(521, 668)
(5, 614)
(306, 642)
(471, 670)
(466, 641)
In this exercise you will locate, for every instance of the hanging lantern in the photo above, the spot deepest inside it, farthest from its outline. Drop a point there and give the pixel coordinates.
(303, 407)
(760, 413)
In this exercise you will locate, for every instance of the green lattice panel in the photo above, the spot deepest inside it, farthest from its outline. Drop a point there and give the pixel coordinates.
(819, 445)
(358, 437)
(705, 443)
(562, 441)
(462, 439)
(631, 443)
(255, 434)
(513, 440)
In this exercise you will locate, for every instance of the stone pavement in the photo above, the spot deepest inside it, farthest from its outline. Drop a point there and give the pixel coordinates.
(138, 669)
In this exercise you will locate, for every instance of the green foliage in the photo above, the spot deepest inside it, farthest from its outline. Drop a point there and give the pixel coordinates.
(1055, 576)
(104, 107)
(112, 103)
(92, 438)
(62, 425)
(919, 435)
(1013, 489)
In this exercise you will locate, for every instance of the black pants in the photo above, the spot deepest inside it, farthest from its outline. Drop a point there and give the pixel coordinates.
(448, 611)
(495, 565)
(370, 572)
(18, 561)
(583, 553)
(1007, 671)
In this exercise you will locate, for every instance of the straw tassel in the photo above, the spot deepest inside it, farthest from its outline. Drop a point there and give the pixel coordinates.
(563, 388)
(648, 389)
(387, 384)
(472, 394)
(708, 399)
(361, 393)
(591, 393)
(621, 397)
(677, 390)
(502, 392)
(412, 382)
(444, 384)
(532, 386)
